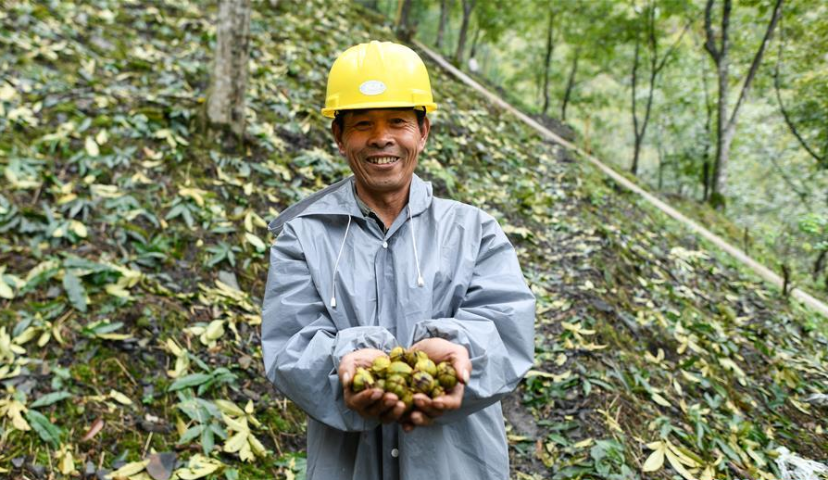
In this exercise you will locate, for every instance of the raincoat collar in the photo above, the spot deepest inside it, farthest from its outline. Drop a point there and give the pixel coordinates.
(342, 201)
(339, 199)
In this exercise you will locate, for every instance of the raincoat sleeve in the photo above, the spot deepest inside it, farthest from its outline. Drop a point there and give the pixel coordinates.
(495, 322)
(301, 344)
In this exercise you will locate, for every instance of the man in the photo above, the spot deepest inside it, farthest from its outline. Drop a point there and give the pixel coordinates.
(376, 261)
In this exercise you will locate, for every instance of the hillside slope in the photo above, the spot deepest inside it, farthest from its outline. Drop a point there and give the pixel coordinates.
(133, 260)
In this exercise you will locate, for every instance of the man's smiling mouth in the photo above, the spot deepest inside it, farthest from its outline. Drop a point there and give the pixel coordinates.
(382, 160)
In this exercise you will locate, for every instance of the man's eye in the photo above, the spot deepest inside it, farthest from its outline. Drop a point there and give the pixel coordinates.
(362, 124)
(397, 121)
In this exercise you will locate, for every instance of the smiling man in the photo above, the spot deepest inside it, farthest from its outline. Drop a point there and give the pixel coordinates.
(375, 261)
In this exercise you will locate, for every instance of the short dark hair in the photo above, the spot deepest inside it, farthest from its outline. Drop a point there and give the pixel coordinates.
(339, 117)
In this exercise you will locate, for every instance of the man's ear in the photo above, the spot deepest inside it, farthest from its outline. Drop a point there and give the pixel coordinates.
(424, 131)
(337, 134)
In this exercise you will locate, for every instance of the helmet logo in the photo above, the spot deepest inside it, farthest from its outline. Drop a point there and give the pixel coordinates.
(372, 87)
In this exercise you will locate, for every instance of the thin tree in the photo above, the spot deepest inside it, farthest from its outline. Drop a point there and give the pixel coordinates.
(656, 66)
(441, 28)
(570, 82)
(404, 30)
(475, 39)
(708, 132)
(225, 104)
(468, 7)
(726, 124)
(821, 160)
(550, 46)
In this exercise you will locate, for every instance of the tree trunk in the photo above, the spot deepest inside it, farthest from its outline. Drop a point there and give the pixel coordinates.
(656, 66)
(720, 166)
(444, 11)
(726, 126)
(634, 103)
(661, 163)
(550, 45)
(718, 182)
(225, 105)
(708, 108)
(819, 264)
(468, 6)
(570, 83)
(786, 280)
(404, 31)
(475, 39)
(706, 179)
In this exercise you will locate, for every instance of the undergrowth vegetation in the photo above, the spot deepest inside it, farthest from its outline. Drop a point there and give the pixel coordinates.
(134, 253)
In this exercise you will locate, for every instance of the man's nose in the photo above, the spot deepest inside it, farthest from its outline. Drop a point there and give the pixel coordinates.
(381, 137)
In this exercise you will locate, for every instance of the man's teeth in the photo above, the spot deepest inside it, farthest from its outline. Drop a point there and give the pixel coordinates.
(382, 160)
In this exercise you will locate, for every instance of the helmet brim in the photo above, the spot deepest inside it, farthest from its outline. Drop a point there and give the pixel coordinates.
(331, 112)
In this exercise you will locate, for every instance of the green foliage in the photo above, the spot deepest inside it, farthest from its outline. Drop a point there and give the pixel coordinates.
(47, 431)
(802, 70)
(132, 267)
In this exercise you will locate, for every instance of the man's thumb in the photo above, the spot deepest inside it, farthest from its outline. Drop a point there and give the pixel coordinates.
(463, 368)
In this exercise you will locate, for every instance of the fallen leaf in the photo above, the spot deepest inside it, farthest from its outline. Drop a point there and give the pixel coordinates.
(161, 465)
(96, 427)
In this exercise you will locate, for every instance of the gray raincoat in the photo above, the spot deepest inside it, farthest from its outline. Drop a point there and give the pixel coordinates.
(337, 284)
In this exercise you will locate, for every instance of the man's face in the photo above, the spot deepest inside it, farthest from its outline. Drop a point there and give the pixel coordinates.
(382, 147)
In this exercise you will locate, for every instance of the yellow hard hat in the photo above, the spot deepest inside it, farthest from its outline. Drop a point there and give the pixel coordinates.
(378, 75)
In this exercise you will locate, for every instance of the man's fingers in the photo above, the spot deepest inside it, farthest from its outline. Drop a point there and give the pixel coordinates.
(346, 373)
(363, 400)
(450, 401)
(427, 406)
(406, 422)
(382, 405)
(420, 419)
(394, 414)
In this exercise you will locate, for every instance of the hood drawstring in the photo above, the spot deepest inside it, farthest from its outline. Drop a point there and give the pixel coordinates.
(336, 265)
(420, 281)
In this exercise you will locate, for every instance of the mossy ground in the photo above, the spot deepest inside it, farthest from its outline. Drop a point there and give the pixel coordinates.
(644, 333)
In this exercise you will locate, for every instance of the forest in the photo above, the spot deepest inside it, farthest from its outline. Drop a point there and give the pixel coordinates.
(146, 145)
(650, 87)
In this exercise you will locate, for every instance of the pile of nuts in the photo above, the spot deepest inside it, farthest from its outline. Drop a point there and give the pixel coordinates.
(404, 373)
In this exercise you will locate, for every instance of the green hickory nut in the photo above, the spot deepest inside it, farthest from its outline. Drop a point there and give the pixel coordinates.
(412, 357)
(399, 368)
(422, 382)
(397, 354)
(426, 365)
(408, 399)
(437, 391)
(380, 366)
(446, 375)
(396, 384)
(362, 380)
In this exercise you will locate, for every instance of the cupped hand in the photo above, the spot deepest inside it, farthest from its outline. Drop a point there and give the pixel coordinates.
(371, 402)
(428, 409)
(441, 350)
